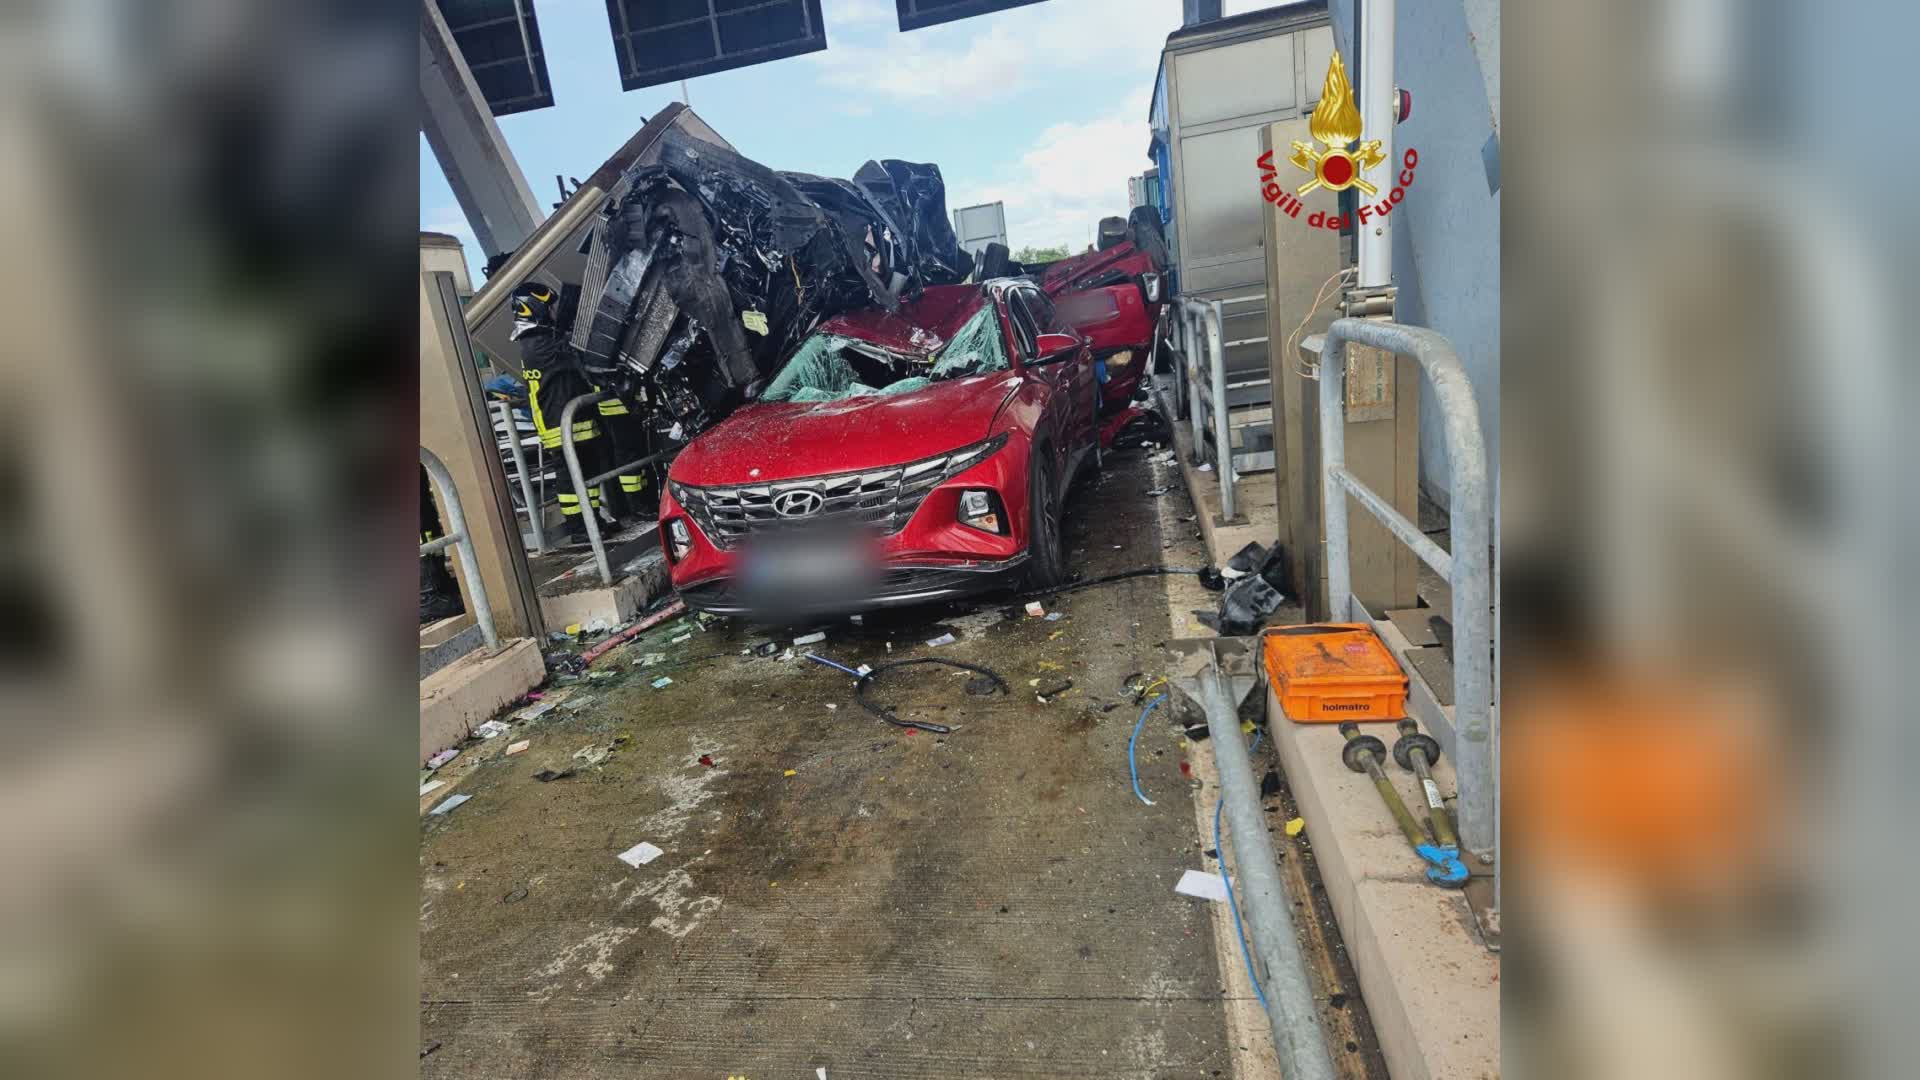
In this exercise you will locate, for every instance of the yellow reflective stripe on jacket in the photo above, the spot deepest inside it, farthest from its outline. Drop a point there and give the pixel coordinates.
(632, 485)
(550, 436)
(613, 407)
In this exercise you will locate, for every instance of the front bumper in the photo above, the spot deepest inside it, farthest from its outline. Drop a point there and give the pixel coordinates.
(899, 586)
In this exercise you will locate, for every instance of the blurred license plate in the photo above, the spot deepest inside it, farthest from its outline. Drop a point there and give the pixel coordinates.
(809, 571)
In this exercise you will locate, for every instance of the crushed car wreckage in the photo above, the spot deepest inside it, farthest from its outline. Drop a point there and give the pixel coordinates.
(707, 269)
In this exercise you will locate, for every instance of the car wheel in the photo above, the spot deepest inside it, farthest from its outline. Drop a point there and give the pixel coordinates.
(1046, 547)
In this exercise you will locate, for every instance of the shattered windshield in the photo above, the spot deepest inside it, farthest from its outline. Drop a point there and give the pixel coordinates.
(833, 367)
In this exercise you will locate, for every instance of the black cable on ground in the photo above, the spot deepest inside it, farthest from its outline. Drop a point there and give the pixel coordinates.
(1106, 579)
(881, 711)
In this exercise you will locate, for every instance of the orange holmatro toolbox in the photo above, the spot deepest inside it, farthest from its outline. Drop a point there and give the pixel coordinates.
(1328, 672)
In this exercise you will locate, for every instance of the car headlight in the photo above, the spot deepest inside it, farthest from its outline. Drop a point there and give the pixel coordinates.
(679, 539)
(980, 509)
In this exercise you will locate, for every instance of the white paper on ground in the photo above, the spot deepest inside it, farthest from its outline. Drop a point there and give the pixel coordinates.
(809, 639)
(519, 747)
(1202, 884)
(536, 711)
(452, 801)
(943, 639)
(640, 854)
(491, 729)
(432, 786)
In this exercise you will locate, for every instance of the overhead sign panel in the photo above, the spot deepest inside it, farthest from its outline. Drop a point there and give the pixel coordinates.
(500, 40)
(915, 14)
(663, 41)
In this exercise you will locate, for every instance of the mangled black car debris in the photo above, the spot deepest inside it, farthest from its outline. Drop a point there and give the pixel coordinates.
(707, 268)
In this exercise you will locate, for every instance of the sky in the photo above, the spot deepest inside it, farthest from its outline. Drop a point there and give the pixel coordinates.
(1043, 108)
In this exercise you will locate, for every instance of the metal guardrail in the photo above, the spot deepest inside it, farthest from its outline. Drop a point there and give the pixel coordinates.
(504, 411)
(1200, 322)
(1468, 570)
(582, 484)
(456, 538)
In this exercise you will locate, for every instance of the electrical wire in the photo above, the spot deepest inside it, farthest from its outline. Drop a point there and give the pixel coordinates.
(1133, 767)
(1319, 298)
(1220, 854)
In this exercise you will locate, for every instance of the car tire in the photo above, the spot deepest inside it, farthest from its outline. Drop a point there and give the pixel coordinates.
(1046, 541)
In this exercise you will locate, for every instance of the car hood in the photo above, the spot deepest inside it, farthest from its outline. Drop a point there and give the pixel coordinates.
(788, 440)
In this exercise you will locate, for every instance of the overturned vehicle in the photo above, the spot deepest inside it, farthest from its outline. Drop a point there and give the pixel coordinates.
(707, 269)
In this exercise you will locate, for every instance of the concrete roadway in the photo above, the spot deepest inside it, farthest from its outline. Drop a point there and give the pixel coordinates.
(990, 903)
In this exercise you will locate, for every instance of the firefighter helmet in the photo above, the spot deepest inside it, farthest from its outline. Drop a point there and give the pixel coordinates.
(533, 306)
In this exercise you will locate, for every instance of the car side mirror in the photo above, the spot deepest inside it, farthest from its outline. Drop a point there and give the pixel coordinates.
(1053, 347)
(1150, 286)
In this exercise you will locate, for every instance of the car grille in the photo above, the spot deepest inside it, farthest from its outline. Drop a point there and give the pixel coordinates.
(880, 499)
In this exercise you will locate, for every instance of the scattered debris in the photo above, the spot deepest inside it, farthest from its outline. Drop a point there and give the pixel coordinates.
(790, 772)
(1270, 784)
(518, 894)
(432, 786)
(810, 639)
(1205, 466)
(1051, 692)
(1034, 609)
(640, 854)
(430, 1048)
(943, 639)
(451, 802)
(575, 704)
(1055, 616)
(1250, 598)
(707, 760)
(688, 636)
(884, 713)
(1201, 884)
(766, 648)
(492, 729)
(593, 754)
(535, 712)
(442, 757)
(547, 776)
(1159, 491)
(600, 676)
(653, 658)
(1294, 826)
(662, 682)
(519, 747)
(982, 685)
(1186, 769)
(672, 610)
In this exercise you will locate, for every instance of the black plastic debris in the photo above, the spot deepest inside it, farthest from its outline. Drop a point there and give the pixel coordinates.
(1270, 784)
(1253, 595)
(547, 776)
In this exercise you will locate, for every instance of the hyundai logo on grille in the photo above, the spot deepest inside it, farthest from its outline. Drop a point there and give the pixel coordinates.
(798, 503)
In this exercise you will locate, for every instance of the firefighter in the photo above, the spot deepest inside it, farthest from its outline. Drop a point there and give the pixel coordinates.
(554, 377)
(628, 435)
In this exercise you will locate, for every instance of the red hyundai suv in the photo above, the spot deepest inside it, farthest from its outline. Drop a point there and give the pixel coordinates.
(894, 458)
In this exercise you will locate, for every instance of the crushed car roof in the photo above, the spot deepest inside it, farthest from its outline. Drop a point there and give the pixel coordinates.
(920, 326)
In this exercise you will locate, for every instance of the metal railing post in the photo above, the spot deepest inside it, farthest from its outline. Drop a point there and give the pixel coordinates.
(1222, 425)
(1196, 401)
(520, 468)
(587, 510)
(456, 537)
(1468, 571)
(1298, 1039)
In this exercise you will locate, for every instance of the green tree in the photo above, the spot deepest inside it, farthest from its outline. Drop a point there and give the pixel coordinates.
(1040, 255)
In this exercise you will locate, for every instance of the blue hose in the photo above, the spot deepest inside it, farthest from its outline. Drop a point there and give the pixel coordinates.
(1220, 853)
(831, 664)
(1132, 767)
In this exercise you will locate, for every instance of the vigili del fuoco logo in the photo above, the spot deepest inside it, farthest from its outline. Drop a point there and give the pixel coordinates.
(1335, 124)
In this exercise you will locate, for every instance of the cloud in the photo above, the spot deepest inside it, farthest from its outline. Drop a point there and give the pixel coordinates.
(838, 13)
(1072, 175)
(993, 57)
